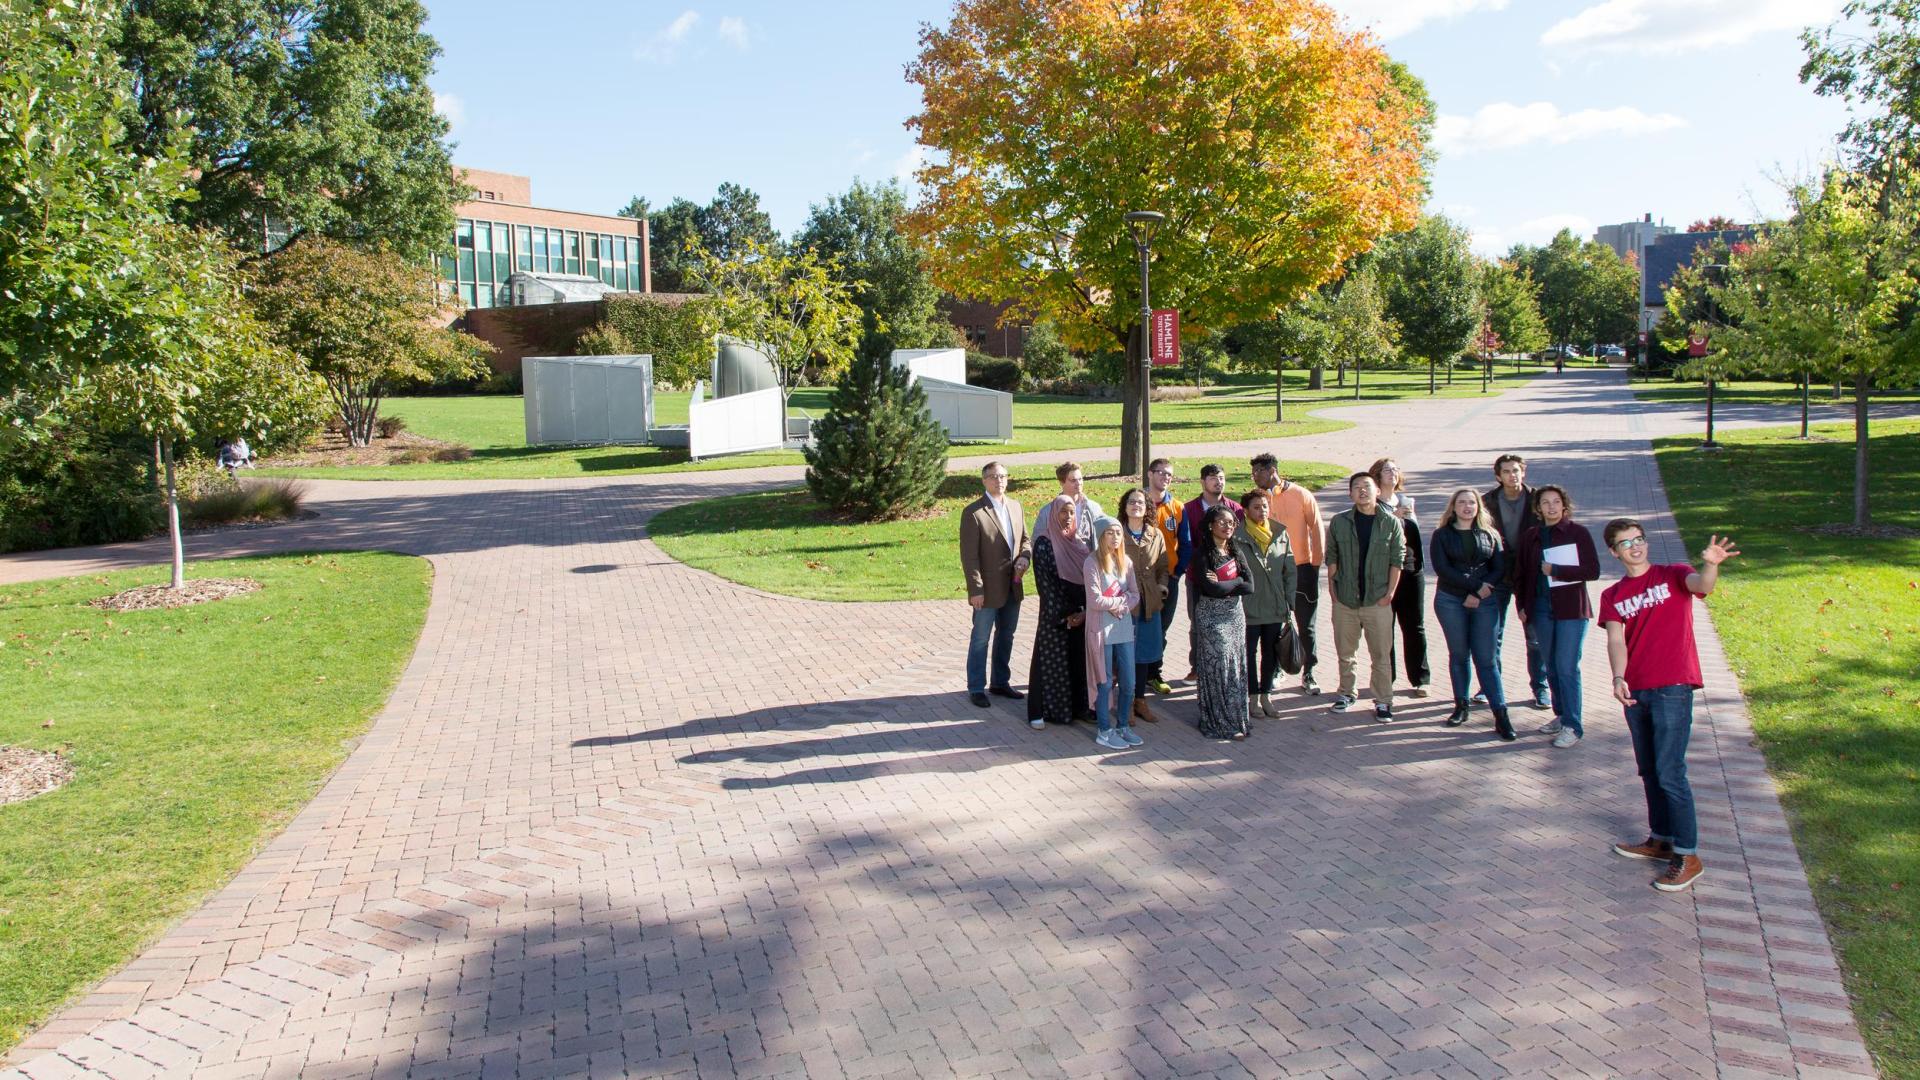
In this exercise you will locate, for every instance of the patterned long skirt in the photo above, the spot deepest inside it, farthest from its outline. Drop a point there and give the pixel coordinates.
(1220, 630)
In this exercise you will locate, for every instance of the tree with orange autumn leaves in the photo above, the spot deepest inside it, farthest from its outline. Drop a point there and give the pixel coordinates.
(1277, 143)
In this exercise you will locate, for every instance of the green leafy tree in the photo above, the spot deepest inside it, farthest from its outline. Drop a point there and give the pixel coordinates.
(1339, 325)
(300, 116)
(365, 321)
(1587, 293)
(860, 230)
(679, 336)
(1870, 59)
(1832, 291)
(1276, 143)
(733, 225)
(793, 302)
(1045, 355)
(878, 453)
(1694, 309)
(673, 244)
(116, 318)
(1432, 291)
(1511, 305)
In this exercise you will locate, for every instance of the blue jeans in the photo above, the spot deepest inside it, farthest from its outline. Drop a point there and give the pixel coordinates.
(1118, 687)
(1536, 663)
(1661, 722)
(1559, 642)
(999, 623)
(1469, 632)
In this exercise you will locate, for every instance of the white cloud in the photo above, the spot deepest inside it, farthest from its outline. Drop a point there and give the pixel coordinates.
(451, 107)
(1397, 18)
(1504, 125)
(664, 45)
(733, 31)
(908, 164)
(1676, 26)
(1492, 241)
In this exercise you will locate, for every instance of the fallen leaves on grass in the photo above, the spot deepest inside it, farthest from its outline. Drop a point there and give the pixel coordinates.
(157, 597)
(25, 773)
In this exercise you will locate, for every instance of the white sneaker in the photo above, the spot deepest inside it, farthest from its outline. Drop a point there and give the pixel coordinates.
(1110, 740)
(1565, 739)
(1037, 724)
(1551, 727)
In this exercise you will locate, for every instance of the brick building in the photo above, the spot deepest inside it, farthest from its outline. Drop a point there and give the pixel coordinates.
(507, 250)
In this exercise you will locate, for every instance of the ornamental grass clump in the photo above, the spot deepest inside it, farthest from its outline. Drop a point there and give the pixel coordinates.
(256, 501)
(877, 454)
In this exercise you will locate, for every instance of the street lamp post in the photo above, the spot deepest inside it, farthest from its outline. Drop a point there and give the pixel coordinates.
(1142, 223)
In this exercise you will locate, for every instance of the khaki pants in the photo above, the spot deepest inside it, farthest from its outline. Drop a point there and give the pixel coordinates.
(1376, 623)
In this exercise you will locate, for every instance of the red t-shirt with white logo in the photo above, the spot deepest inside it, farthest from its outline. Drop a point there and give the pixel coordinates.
(1657, 611)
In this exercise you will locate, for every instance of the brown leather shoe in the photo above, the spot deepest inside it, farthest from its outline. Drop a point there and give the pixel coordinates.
(1649, 849)
(1681, 873)
(1143, 711)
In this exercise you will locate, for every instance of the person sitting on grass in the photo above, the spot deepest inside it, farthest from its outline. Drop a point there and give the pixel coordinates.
(1648, 615)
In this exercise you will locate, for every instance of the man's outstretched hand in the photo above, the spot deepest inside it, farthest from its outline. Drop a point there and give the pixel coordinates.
(1718, 550)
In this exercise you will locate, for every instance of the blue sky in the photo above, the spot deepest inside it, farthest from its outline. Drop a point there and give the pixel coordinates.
(1552, 112)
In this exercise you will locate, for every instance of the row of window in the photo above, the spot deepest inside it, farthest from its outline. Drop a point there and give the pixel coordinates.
(486, 252)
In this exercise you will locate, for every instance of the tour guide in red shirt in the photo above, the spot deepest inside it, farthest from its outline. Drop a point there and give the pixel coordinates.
(1648, 616)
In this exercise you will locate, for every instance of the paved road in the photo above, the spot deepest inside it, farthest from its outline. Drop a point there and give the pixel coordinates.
(622, 817)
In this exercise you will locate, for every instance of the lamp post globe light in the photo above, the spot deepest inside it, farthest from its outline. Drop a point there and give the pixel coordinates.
(1142, 223)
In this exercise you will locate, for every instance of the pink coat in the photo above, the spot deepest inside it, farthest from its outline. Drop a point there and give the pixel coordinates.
(1097, 603)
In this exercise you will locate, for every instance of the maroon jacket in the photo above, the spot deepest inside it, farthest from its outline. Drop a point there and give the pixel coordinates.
(1569, 601)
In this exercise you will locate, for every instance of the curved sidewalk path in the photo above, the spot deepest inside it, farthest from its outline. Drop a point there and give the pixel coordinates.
(623, 817)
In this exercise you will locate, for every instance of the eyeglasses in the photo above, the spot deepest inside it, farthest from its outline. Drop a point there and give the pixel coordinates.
(1630, 542)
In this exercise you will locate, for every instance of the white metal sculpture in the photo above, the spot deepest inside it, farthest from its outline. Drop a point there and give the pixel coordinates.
(588, 399)
(968, 413)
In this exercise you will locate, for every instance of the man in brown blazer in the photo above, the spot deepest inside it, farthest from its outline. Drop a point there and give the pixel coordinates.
(994, 554)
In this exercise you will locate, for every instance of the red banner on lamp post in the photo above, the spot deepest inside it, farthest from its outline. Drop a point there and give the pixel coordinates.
(1166, 337)
(1697, 345)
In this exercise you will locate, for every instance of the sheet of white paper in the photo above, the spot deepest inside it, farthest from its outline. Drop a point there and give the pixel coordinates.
(1563, 555)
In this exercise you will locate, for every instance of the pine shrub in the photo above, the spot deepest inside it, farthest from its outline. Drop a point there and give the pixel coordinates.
(877, 454)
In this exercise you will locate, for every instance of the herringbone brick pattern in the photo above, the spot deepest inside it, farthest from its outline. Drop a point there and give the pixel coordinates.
(624, 818)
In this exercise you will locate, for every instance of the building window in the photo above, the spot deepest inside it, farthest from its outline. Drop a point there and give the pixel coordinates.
(540, 250)
(523, 247)
(593, 256)
(573, 252)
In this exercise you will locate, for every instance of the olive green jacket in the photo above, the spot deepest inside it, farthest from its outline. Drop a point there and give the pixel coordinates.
(1362, 576)
(1272, 573)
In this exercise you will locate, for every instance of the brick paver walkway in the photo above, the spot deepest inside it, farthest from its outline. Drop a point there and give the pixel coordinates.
(622, 817)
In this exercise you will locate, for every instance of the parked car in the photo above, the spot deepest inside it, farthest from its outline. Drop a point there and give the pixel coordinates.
(1610, 350)
(1556, 352)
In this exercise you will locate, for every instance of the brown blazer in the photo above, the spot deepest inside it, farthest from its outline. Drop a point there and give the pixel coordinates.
(984, 556)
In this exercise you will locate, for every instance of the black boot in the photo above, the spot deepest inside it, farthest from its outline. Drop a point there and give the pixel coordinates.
(1503, 725)
(1459, 714)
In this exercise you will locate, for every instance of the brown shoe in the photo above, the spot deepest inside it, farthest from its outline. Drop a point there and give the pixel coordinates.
(1143, 711)
(1649, 849)
(1681, 873)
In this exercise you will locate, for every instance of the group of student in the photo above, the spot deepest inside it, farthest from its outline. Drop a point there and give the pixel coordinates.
(1251, 565)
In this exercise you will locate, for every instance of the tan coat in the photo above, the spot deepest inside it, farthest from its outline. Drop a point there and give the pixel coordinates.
(985, 558)
(1150, 566)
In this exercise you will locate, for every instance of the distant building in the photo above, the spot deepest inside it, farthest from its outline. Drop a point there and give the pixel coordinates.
(980, 321)
(1629, 239)
(506, 251)
(1664, 256)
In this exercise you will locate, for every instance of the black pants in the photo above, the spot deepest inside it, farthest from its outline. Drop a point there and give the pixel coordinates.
(1263, 656)
(1410, 611)
(1306, 604)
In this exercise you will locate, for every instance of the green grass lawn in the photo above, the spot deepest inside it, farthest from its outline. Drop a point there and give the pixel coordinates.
(1824, 632)
(783, 542)
(1763, 392)
(1240, 409)
(195, 734)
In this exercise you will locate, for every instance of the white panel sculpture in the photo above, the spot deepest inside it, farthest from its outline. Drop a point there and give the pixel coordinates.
(968, 413)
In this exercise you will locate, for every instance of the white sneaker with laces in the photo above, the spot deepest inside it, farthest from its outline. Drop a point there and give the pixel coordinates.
(1566, 738)
(1551, 727)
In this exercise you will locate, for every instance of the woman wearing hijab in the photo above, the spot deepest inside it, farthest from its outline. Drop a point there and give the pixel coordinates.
(1265, 554)
(1147, 549)
(1057, 679)
(1112, 593)
(1220, 629)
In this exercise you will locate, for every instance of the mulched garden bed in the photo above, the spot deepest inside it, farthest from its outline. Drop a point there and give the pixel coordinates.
(405, 448)
(25, 773)
(157, 597)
